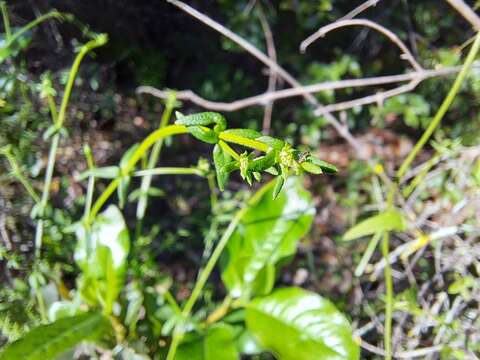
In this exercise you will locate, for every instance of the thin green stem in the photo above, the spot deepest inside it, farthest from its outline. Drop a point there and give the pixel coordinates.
(228, 150)
(91, 182)
(240, 140)
(6, 20)
(443, 108)
(40, 19)
(53, 108)
(388, 296)
(46, 193)
(153, 160)
(395, 185)
(205, 273)
(17, 172)
(99, 41)
(169, 171)
(89, 46)
(367, 255)
(147, 143)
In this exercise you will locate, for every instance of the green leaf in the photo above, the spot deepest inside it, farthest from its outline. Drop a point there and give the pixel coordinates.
(48, 341)
(201, 119)
(387, 221)
(325, 166)
(106, 172)
(275, 143)
(263, 162)
(311, 168)
(203, 134)
(217, 344)
(278, 186)
(220, 159)
(267, 234)
(101, 254)
(295, 324)
(246, 133)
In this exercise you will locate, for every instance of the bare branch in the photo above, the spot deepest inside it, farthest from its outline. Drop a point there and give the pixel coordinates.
(272, 76)
(402, 355)
(467, 12)
(263, 99)
(359, 9)
(342, 130)
(406, 54)
(378, 98)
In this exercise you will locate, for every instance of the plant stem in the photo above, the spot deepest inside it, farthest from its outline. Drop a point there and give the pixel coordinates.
(240, 140)
(169, 171)
(443, 108)
(394, 187)
(148, 142)
(152, 161)
(205, 273)
(56, 138)
(6, 20)
(16, 171)
(91, 182)
(40, 19)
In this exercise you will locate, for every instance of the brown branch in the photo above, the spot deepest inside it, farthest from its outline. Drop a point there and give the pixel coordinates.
(359, 9)
(342, 130)
(378, 98)
(263, 99)
(272, 76)
(406, 54)
(467, 12)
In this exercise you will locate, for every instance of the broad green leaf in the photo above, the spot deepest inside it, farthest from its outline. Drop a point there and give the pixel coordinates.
(217, 344)
(386, 221)
(101, 254)
(267, 234)
(48, 341)
(295, 324)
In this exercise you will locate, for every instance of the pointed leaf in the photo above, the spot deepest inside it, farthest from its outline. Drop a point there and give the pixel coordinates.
(48, 341)
(278, 186)
(386, 221)
(295, 324)
(267, 234)
(325, 166)
(220, 159)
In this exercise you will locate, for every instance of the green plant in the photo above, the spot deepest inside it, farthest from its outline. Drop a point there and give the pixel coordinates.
(393, 220)
(103, 244)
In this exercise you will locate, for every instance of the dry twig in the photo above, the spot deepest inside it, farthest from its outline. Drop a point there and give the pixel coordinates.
(406, 54)
(467, 12)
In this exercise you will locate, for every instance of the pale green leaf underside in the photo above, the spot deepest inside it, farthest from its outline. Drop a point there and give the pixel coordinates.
(47, 341)
(295, 324)
(387, 221)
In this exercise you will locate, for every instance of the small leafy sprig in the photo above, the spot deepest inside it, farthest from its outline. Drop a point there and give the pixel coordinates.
(279, 158)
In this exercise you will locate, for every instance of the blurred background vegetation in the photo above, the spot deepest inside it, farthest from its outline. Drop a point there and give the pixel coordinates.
(153, 43)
